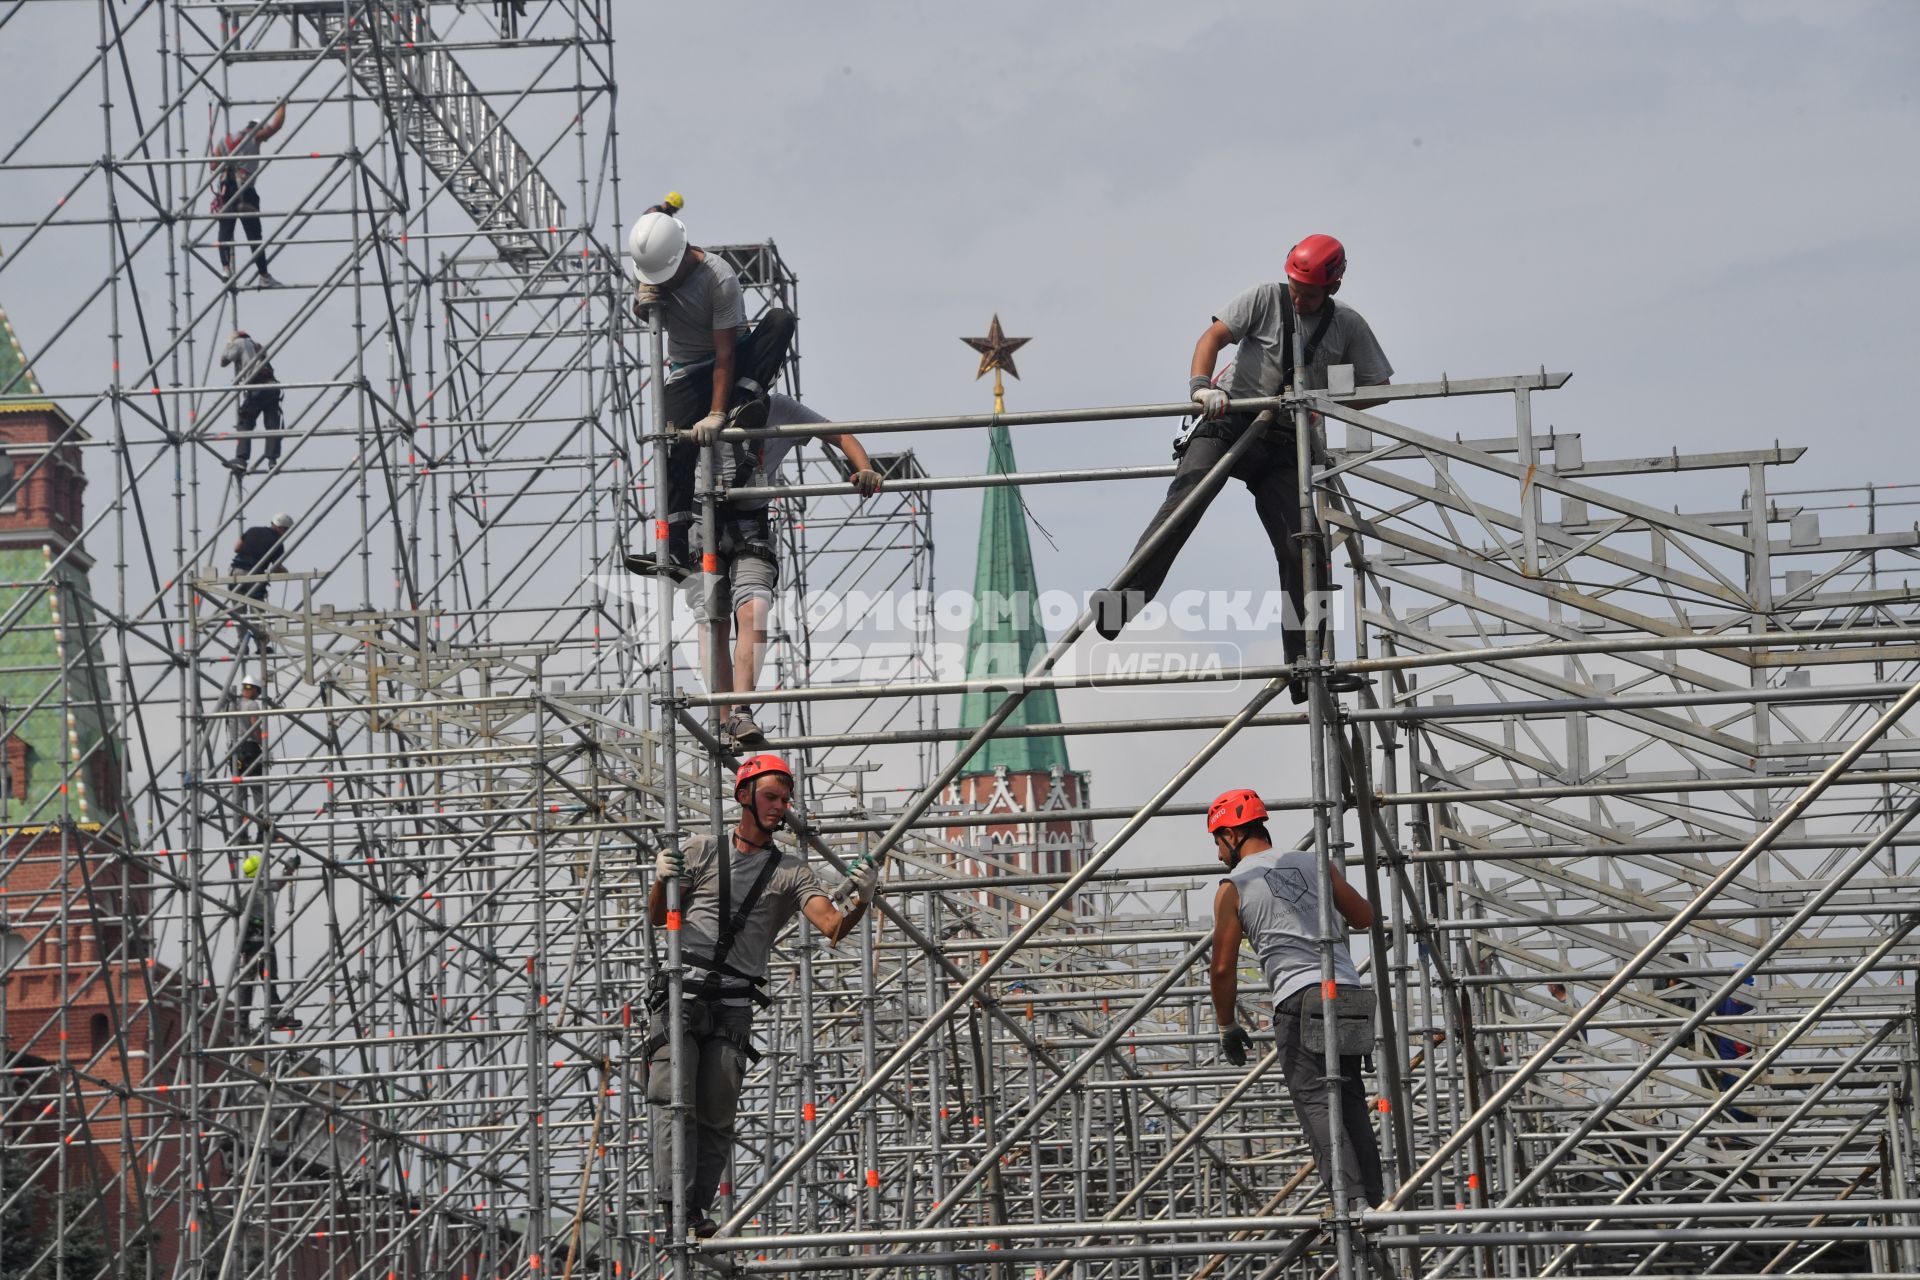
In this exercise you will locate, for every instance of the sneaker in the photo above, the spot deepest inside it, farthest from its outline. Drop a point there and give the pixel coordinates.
(287, 1022)
(745, 733)
(265, 281)
(647, 564)
(236, 465)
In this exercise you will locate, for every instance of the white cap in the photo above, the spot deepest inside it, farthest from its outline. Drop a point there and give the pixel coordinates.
(657, 242)
(282, 521)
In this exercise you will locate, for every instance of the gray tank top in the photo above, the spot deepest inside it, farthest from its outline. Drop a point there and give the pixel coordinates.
(1280, 916)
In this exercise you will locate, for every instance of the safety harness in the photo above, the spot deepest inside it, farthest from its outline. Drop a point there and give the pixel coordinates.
(1213, 430)
(716, 965)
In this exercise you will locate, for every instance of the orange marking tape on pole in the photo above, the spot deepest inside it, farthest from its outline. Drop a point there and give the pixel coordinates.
(660, 530)
(673, 920)
(709, 563)
(873, 1179)
(1330, 989)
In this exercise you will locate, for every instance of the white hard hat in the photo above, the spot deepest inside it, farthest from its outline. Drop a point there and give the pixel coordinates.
(282, 521)
(657, 242)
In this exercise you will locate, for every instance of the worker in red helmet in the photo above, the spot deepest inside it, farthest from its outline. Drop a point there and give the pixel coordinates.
(766, 887)
(1261, 322)
(1271, 898)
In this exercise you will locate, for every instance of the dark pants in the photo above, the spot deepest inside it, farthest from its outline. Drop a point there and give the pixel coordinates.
(242, 206)
(714, 1067)
(758, 358)
(261, 402)
(1271, 470)
(250, 764)
(1305, 1072)
(258, 968)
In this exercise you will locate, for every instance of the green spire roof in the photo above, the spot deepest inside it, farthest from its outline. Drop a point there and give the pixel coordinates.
(1006, 633)
(19, 389)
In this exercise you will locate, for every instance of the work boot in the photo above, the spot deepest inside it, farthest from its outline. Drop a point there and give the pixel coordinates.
(749, 414)
(1113, 610)
(646, 564)
(745, 733)
(703, 1227)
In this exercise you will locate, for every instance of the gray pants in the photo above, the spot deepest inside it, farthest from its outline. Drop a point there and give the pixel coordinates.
(1305, 1072)
(714, 1067)
(1271, 471)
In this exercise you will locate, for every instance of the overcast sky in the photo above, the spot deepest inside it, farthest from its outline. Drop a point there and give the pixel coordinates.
(1707, 212)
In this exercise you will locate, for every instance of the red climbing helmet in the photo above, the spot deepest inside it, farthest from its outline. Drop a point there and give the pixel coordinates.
(1235, 809)
(1317, 260)
(753, 766)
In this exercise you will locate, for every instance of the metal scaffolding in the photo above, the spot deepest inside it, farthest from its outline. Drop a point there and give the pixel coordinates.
(1628, 776)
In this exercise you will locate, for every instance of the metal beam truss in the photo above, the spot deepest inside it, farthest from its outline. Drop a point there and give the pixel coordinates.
(1630, 781)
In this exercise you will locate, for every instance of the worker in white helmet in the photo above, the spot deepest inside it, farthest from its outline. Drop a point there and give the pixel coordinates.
(258, 551)
(719, 368)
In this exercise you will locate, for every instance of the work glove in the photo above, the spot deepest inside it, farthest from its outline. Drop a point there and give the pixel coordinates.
(1212, 402)
(867, 482)
(705, 431)
(669, 863)
(864, 881)
(289, 863)
(645, 295)
(1234, 1043)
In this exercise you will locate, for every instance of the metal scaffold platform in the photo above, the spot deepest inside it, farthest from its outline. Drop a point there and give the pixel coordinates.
(1628, 772)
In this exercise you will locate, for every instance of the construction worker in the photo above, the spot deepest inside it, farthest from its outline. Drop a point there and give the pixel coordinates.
(260, 550)
(259, 966)
(749, 564)
(1271, 899)
(766, 888)
(670, 204)
(1262, 321)
(253, 371)
(247, 751)
(719, 371)
(236, 198)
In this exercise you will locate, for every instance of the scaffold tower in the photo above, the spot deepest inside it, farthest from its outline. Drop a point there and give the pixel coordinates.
(336, 745)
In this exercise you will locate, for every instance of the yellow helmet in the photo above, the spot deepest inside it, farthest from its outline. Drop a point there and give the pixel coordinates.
(251, 867)
(675, 201)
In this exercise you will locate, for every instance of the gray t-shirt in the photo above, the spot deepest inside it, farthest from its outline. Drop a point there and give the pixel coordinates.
(1280, 917)
(770, 454)
(248, 358)
(793, 885)
(1257, 319)
(708, 299)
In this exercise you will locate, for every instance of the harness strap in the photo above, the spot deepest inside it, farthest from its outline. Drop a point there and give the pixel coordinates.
(717, 965)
